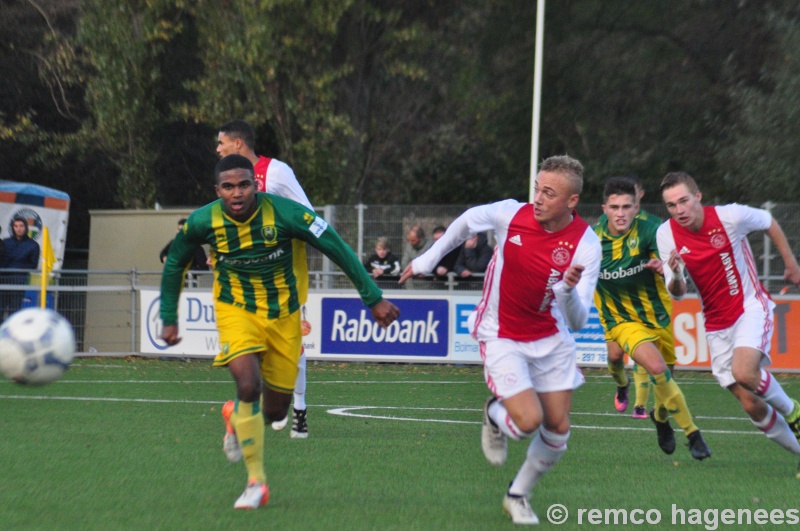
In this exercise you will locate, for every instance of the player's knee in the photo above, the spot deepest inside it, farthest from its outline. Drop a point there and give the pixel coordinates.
(528, 424)
(276, 405)
(746, 378)
(248, 389)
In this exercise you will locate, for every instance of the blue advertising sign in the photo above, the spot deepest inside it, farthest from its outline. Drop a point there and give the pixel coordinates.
(421, 330)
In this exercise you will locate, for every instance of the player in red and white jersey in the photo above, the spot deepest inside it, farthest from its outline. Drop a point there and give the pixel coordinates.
(540, 282)
(710, 243)
(276, 177)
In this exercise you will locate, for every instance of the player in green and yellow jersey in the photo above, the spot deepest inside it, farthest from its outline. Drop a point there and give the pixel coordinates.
(615, 354)
(634, 308)
(256, 301)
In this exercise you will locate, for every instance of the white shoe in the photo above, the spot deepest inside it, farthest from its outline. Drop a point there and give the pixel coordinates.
(493, 441)
(230, 445)
(254, 496)
(278, 425)
(519, 509)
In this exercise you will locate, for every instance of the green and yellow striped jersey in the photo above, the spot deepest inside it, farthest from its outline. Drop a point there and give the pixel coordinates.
(252, 259)
(626, 290)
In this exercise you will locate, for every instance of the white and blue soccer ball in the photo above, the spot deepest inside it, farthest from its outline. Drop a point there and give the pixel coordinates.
(36, 346)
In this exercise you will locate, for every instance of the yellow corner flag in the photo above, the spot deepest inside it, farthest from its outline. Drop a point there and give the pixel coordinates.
(48, 262)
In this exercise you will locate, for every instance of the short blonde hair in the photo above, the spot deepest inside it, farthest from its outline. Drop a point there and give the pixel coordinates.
(383, 243)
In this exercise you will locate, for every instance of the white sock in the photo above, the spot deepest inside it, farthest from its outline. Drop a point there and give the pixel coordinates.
(300, 383)
(775, 428)
(772, 392)
(499, 414)
(543, 453)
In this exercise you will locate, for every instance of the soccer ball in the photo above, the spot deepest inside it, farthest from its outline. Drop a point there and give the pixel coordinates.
(36, 346)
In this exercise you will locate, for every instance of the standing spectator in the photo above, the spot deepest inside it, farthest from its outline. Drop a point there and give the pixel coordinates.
(383, 264)
(448, 263)
(20, 252)
(416, 244)
(710, 243)
(199, 262)
(276, 177)
(474, 256)
(541, 281)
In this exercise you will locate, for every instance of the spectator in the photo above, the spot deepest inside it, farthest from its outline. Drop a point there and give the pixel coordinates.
(199, 262)
(20, 252)
(448, 263)
(474, 257)
(383, 265)
(416, 244)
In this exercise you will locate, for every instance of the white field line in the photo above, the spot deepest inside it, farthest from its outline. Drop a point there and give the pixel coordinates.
(350, 411)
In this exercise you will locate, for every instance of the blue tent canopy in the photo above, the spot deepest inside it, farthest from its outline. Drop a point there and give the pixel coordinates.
(32, 194)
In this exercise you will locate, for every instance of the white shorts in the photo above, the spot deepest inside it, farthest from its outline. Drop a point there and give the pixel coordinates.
(753, 329)
(545, 365)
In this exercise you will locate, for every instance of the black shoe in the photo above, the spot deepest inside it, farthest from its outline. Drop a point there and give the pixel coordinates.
(666, 435)
(697, 446)
(621, 398)
(299, 425)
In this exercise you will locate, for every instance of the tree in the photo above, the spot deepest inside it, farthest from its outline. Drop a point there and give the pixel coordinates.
(760, 162)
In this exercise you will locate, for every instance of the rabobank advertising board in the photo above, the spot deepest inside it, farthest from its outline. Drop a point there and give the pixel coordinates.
(431, 328)
(423, 328)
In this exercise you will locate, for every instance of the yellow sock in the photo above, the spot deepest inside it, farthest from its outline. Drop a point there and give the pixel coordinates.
(641, 380)
(617, 370)
(668, 393)
(249, 425)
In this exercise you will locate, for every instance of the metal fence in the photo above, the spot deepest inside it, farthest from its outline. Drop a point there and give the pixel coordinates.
(103, 306)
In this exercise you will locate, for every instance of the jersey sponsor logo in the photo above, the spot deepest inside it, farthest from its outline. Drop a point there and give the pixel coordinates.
(730, 273)
(562, 253)
(270, 235)
(251, 261)
(318, 226)
(684, 250)
(605, 274)
(348, 328)
(555, 276)
(516, 240)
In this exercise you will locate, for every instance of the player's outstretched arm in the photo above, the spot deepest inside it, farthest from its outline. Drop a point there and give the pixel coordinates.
(385, 313)
(778, 237)
(408, 272)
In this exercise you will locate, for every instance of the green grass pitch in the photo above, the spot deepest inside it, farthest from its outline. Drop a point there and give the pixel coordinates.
(137, 444)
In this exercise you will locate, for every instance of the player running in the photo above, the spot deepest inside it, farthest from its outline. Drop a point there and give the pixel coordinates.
(635, 310)
(256, 301)
(710, 243)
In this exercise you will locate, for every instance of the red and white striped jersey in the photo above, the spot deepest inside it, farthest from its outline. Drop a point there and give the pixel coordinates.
(719, 260)
(524, 296)
(276, 177)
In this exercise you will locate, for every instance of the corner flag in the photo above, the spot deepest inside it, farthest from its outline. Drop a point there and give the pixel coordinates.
(48, 262)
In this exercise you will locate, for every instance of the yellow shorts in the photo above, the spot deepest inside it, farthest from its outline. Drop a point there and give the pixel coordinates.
(630, 335)
(278, 341)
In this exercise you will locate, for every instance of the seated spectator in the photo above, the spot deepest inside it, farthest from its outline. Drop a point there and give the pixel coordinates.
(474, 256)
(448, 263)
(384, 265)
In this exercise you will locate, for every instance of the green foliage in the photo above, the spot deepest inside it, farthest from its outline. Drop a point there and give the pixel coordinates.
(762, 158)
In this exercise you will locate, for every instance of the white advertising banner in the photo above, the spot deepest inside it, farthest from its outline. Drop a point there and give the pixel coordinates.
(431, 328)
